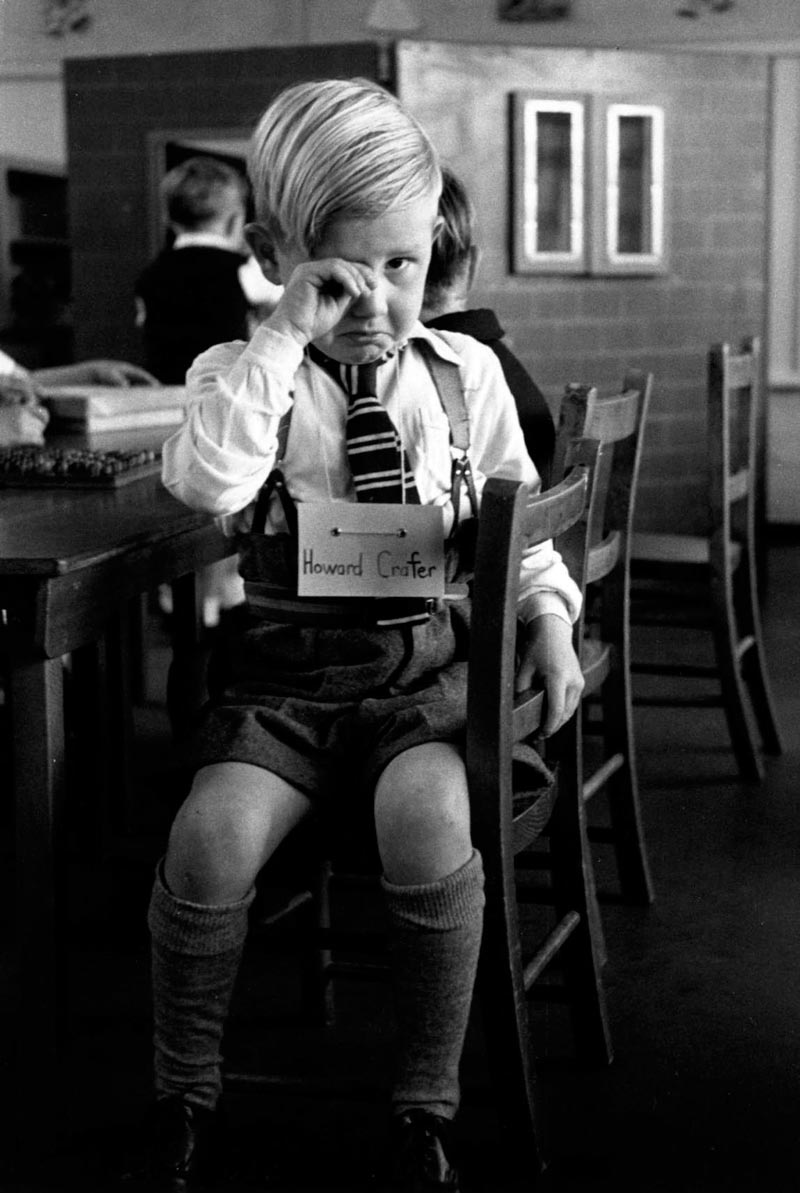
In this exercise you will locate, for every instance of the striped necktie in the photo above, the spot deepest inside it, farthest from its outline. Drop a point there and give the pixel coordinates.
(374, 449)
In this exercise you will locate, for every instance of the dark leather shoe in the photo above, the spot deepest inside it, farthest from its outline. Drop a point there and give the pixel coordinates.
(181, 1148)
(421, 1152)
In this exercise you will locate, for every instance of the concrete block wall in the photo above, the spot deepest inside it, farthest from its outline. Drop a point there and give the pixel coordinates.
(114, 106)
(563, 328)
(591, 328)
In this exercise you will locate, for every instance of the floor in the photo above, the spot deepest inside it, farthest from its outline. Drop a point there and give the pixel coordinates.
(703, 990)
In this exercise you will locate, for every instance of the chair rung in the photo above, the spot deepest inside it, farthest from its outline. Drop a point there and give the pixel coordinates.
(540, 896)
(354, 942)
(698, 620)
(533, 859)
(604, 557)
(746, 643)
(683, 670)
(361, 970)
(602, 775)
(277, 914)
(549, 947)
(351, 880)
(305, 1086)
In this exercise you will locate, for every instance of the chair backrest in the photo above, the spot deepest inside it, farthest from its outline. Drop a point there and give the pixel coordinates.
(733, 383)
(617, 423)
(512, 518)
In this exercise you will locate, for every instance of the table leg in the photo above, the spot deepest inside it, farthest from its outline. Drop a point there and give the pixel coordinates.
(186, 684)
(38, 769)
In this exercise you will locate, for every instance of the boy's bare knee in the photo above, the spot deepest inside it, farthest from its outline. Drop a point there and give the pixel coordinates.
(225, 831)
(422, 815)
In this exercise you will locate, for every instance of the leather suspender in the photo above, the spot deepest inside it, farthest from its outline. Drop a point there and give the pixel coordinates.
(446, 378)
(275, 483)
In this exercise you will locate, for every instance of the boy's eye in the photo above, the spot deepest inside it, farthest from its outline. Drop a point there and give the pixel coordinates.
(397, 263)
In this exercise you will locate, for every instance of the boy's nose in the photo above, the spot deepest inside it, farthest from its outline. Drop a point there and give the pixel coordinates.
(372, 303)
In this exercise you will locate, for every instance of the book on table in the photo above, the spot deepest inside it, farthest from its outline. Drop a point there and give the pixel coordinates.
(114, 408)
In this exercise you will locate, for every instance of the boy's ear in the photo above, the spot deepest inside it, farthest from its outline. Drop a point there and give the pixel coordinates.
(473, 261)
(262, 246)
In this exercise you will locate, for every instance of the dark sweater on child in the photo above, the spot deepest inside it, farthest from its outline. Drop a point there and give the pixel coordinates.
(193, 299)
(534, 413)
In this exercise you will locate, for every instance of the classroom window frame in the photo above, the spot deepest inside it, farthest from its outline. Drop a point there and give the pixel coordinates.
(597, 165)
(608, 257)
(527, 256)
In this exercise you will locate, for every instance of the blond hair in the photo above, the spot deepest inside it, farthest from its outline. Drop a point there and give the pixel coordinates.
(337, 148)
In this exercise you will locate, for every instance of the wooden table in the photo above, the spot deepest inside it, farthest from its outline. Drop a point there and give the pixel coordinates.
(71, 560)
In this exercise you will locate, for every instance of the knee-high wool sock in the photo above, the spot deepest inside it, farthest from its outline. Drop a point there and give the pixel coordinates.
(195, 951)
(435, 937)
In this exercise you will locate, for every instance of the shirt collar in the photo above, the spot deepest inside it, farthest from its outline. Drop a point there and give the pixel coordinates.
(214, 240)
(418, 332)
(437, 343)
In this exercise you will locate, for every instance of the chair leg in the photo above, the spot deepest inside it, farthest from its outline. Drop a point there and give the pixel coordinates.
(504, 1011)
(318, 1001)
(735, 699)
(623, 787)
(574, 891)
(754, 663)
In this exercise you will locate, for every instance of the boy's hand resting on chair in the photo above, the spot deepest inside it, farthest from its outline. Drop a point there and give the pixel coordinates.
(546, 655)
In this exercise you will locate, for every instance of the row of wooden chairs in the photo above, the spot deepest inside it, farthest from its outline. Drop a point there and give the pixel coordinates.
(709, 580)
(526, 828)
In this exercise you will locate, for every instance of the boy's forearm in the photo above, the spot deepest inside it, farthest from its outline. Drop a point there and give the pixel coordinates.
(236, 397)
(541, 605)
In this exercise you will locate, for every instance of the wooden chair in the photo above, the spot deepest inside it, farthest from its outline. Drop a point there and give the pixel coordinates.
(617, 423)
(511, 806)
(507, 817)
(709, 580)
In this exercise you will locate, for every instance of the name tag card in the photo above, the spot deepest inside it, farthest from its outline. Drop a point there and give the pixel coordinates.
(346, 549)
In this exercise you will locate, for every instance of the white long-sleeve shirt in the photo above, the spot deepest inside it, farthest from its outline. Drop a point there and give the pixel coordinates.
(237, 393)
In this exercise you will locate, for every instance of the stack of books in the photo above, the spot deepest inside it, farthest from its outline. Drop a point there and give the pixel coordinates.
(98, 408)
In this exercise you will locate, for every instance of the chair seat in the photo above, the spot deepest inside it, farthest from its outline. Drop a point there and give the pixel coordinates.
(675, 548)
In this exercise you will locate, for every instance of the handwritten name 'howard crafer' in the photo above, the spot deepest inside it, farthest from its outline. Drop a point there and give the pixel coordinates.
(386, 567)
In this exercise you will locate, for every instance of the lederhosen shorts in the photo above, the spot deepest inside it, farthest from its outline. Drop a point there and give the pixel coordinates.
(316, 703)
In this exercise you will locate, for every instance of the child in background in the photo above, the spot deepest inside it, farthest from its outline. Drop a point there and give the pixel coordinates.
(22, 416)
(200, 291)
(348, 702)
(197, 293)
(451, 275)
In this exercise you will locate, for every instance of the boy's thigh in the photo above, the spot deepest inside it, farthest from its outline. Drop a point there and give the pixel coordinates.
(386, 728)
(239, 807)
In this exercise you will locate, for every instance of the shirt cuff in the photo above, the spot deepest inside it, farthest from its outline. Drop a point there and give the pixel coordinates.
(540, 603)
(278, 354)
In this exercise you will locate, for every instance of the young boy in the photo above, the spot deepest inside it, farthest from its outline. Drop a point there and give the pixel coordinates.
(451, 275)
(330, 702)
